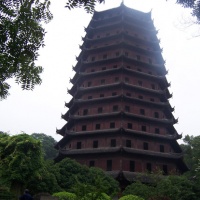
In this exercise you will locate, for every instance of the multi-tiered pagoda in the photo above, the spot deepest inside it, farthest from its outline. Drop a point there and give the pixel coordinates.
(119, 118)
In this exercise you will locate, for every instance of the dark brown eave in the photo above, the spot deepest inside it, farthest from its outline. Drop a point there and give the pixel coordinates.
(73, 105)
(73, 118)
(83, 75)
(108, 150)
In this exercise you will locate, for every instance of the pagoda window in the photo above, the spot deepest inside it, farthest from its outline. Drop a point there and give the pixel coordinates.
(128, 67)
(152, 99)
(101, 95)
(145, 146)
(142, 111)
(89, 97)
(78, 145)
(138, 57)
(126, 54)
(85, 111)
(113, 143)
(109, 165)
(89, 83)
(140, 83)
(165, 170)
(139, 70)
(128, 94)
(103, 81)
(112, 124)
(103, 68)
(153, 86)
(97, 126)
(128, 143)
(105, 56)
(150, 61)
(156, 115)
(93, 58)
(114, 66)
(84, 127)
(157, 130)
(92, 70)
(115, 108)
(132, 166)
(116, 79)
(114, 93)
(162, 148)
(149, 167)
(127, 108)
(126, 79)
(91, 163)
(144, 128)
(129, 125)
(140, 97)
(150, 73)
(95, 144)
(100, 110)
(117, 53)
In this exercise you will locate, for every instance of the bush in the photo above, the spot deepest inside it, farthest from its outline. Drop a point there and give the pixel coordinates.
(131, 197)
(65, 196)
(91, 196)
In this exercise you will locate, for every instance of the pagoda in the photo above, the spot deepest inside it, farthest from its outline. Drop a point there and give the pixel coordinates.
(119, 118)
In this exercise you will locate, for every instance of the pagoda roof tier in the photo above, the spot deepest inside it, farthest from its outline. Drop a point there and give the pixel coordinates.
(74, 90)
(111, 150)
(72, 105)
(121, 57)
(88, 40)
(62, 130)
(124, 8)
(122, 43)
(84, 75)
(73, 118)
(116, 131)
(121, 22)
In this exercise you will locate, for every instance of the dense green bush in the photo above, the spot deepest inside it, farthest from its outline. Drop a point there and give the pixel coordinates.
(131, 197)
(65, 196)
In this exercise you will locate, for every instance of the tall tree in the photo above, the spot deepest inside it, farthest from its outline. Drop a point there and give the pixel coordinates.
(20, 158)
(21, 36)
(48, 143)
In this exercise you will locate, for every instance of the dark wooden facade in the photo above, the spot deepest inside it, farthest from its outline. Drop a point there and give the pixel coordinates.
(119, 117)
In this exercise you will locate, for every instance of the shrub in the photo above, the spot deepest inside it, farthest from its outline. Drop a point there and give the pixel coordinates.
(65, 196)
(131, 197)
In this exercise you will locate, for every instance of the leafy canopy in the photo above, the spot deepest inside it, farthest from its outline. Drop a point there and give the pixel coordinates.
(21, 36)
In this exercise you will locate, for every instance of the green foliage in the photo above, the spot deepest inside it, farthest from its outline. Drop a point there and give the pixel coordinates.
(131, 197)
(95, 196)
(82, 180)
(88, 5)
(65, 196)
(20, 157)
(48, 143)
(139, 189)
(21, 36)
(194, 5)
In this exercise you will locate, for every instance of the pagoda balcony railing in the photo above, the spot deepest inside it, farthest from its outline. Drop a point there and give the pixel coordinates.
(106, 150)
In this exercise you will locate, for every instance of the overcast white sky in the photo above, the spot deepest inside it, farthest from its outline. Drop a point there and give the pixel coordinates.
(39, 111)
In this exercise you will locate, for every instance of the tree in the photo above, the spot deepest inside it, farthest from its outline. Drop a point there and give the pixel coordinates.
(20, 158)
(194, 5)
(21, 36)
(79, 176)
(48, 143)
